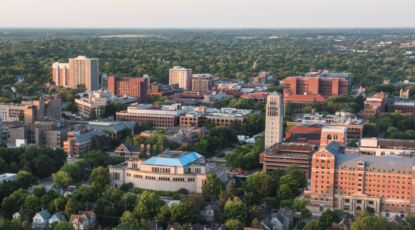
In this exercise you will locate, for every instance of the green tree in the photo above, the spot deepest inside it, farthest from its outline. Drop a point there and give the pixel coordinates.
(64, 226)
(256, 224)
(255, 180)
(301, 206)
(129, 222)
(100, 176)
(212, 186)
(180, 213)
(230, 192)
(60, 204)
(32, 205)
(62, 178)
(74, 171)
(72, 207)
(148, 206)
(366, 221)
(93, 115)
(81, 87)
(234, 224)
(194, 203)
(296, 172)
(97, 158)
(268, 187)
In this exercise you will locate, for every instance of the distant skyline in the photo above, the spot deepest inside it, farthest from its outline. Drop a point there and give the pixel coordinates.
(207, 14)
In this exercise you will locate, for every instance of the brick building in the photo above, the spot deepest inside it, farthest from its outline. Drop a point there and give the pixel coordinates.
(31, 110)
(60, 74)
(355, 127)
(99, 99)
(296, 102)
(380, 103)
(181, 76)
(159, 115)
(79, 142)
(225, 116)
(281, 155)
(202, 82)
(326, 87)
(351, 182)
(162, 90)
(263, 78)
(129, 86)
(304, 133)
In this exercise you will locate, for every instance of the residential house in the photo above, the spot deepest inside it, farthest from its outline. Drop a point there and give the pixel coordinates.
(209, 212)
(58, 217)
(397, 220)
(66, 191)
(265, 209)
(83, 220)
(16, 215)
(280, 220)
(174, 226)
(343, 225)
(41, 219)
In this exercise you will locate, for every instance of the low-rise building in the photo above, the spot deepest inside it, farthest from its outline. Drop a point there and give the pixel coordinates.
(168, 171)
(296, 102)
(304, 133)
(31, 111)
(355, 127)
(224, 116)
(210, 211)
(162, 90)
(57, 217)
(130, 152)
(112, 128)
(159, 115)
(257, 96)
(202, 82)
(49, 133)
(41, 218)
(99, 99)
(384, 147)
(281, 155)
(78, 143)
(263, 78)
(84, 220)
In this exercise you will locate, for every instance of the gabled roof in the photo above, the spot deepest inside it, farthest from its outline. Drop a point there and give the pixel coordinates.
(45, 214)
(396, 220)
(174, 226)
(212, 206)
(178, 162)
(130, 147)
(266, 207)
(60, 216)
(89, 214)
(87, 206)
(79, 218)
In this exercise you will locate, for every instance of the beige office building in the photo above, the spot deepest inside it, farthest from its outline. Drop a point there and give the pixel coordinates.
(168, 171)
(84, 70)
(181, 76)
(273, 121)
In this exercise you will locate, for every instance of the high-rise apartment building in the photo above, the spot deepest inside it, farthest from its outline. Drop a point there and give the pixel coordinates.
(202, 82)
(80, 70)
(84, 70)
(60, 73)
(273, 121)
(180, 75)
(129, 86)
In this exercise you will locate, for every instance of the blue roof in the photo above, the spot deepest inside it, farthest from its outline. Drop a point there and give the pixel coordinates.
(178, 162)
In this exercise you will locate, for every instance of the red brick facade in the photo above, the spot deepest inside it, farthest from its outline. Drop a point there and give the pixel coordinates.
(133, 87)
(328, 87)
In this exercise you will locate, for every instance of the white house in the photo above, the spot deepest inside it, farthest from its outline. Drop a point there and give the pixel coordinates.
(41, 218)
(209, 212)
(58, 217)
(84, 220)
(16, 215)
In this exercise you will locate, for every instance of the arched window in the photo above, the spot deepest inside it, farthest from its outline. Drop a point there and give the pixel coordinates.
(329, 137)
(335, 137)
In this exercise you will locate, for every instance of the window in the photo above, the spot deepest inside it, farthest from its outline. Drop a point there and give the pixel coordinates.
(370, 202)
(347, 200)
(321, 209)
(346, 207)
(359, 201)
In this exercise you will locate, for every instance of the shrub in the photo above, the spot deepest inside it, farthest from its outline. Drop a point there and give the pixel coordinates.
(182, 191)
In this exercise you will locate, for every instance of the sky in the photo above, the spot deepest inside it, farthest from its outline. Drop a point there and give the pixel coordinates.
(207, 13)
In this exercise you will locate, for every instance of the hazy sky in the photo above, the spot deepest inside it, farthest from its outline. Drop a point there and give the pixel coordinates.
(207, 13)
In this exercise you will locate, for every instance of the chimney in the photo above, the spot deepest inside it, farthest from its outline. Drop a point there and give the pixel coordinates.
(148, 148)
(313, 112)
(42, 209)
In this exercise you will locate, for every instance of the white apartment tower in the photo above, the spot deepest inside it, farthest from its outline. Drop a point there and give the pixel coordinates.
(84, 70)
(181, 76)
(273, 121)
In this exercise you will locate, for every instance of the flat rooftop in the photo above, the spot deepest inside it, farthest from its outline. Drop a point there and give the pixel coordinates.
(338, 119)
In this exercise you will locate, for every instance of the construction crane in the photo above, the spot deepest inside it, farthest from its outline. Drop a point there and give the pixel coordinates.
(253, 68)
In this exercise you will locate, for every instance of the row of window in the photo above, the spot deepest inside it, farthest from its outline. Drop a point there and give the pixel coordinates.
(160, 170)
